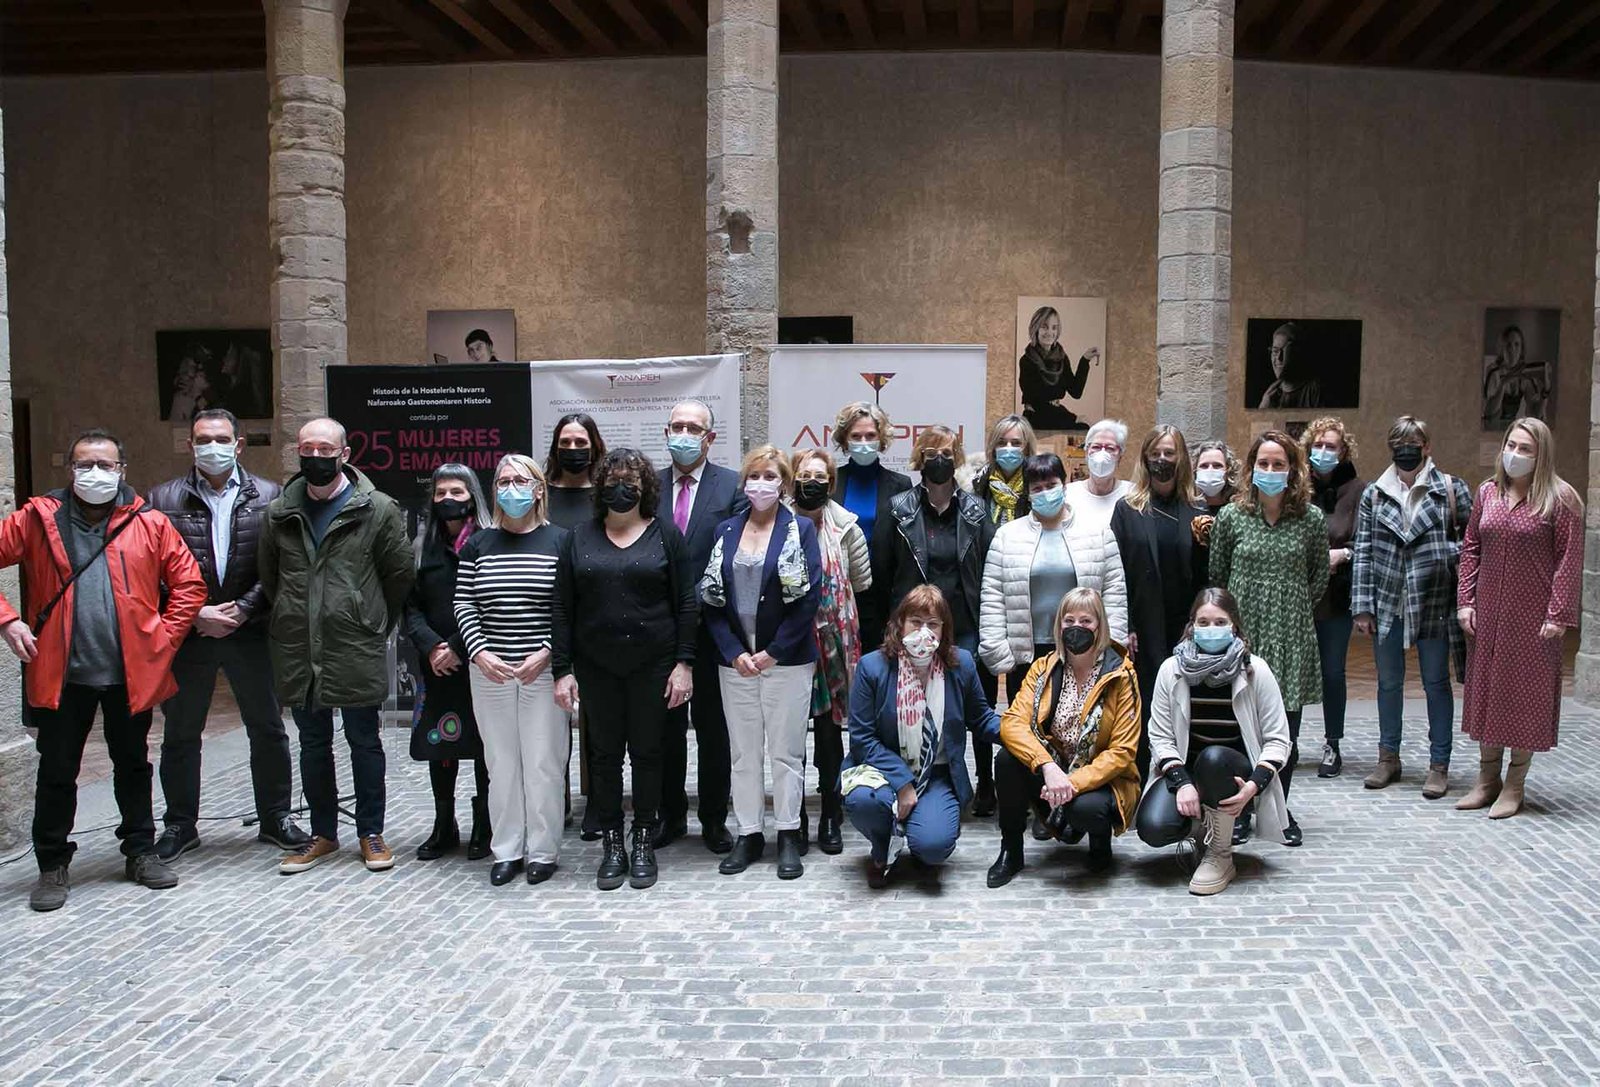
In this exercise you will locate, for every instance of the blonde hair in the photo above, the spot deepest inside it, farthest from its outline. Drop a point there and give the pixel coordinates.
(1005, 424)
(1408, 429)
(853, 412)
(1545, 487)
(1321, 426)
(935, 435)
(1138, 496)
(761, 455)
(530, 468)
(1082, 599)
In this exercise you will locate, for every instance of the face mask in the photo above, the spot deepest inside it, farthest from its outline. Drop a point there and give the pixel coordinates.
(937, 470)
(1048, 503)
(1211, 481)
(1213, 639)
(215, 458)
(1516, 465)
(811, 494)
(685, 448)
(453, 509)
(920, 645)
(574, 461)
(864, 453)
(1101, 464)
(1162, 471)
(762, 493)
(619, 497)
(1008, 459)
(1407, 457)
(319, 471)
(96, 486)
(1324, 460)
(514, 502)
(1076, 639)
(1270, 483)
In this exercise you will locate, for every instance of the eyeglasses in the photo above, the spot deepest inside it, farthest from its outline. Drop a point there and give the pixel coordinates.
(514, 481)
(694, 430)
(90, 465)
(1103, 447)
(319, 451)
(811, 477)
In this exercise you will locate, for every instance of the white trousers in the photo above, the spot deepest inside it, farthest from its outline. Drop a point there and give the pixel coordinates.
(526, 744)
(767, 715)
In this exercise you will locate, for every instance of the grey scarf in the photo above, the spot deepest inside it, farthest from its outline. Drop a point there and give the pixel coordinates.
(1210, 669)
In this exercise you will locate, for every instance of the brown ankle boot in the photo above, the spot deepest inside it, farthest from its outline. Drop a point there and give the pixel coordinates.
(1438, 782)
(1386, 772)
(1483, 793)
(1510, 800)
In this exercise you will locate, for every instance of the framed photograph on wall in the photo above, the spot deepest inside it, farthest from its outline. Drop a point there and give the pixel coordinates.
(1301, 364)
(214, 368)
(1520, 349)
(817, 330)
(472, 335)
(1060, 352)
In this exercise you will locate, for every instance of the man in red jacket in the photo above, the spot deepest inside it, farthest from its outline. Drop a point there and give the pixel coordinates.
(112, 592)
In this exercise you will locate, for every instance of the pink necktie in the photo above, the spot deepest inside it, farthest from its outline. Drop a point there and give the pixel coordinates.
(680, 507)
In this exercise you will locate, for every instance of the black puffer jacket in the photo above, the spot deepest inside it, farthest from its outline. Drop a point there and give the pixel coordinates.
(180, 500)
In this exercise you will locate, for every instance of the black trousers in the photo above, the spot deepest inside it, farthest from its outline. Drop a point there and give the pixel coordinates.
(1017, 789)
(1161, 824)
(828, 743)
(711, 735)
(1287, 776)
(62, 734)
(243, 659)
(627, 716)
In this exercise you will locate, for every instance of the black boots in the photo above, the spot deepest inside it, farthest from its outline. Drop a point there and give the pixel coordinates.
(789, 866)
(503, 872)
(446, 836)
(829, 839)
(478, 844)
(613, 871)
(805, 828)
(642, 872)
(747, 849)
(1008, 863)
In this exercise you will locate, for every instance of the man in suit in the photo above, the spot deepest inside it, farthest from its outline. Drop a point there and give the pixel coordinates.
(696, 497)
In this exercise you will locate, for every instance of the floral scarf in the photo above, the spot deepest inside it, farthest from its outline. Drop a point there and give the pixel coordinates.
(1005, 493)
(793, 577)
(911, 709)
(838, 634)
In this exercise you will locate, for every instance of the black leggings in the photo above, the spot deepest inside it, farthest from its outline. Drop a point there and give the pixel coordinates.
(1017, 789)
(828, 743)
(1287, 774)
(1159, 822)
(442, 776)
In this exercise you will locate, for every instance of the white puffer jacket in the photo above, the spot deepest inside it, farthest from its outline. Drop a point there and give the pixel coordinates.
(1005, 626)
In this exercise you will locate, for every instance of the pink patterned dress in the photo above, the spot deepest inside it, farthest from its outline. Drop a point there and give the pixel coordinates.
(1518, 570)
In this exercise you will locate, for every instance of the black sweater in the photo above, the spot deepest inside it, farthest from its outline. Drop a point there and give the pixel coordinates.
(622, 609)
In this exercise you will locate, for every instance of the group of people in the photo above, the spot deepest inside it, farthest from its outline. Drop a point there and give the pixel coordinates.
(1157, 638)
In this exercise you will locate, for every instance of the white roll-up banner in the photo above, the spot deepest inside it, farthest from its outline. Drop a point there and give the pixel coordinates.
(917, 386)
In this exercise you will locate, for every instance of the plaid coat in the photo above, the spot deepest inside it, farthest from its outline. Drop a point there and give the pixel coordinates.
(1409, 576)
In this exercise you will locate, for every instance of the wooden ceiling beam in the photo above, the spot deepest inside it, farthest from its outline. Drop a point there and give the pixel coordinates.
(1294, 26)
(860, 20)
(805, 21)
(1074, 21)
(630, 14)
(1403, 28)
(689, 17)
(1358, 17)
(415, 25)
(521, 18)
(474, 26)
(967, 22)
(1537, 51)
(915, 16)
(1248, 13)
(1129, 22)
(598, 39)
(1532, 12)
(1436, 46)
(1021, 21)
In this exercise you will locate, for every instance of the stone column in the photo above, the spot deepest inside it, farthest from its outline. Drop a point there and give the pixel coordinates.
(1195, 247)
(306, 221)
(17, 760)
(742, 192)
(1587, 678)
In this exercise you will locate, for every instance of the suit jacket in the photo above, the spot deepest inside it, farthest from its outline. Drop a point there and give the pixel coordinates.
(873, 605)
(784, 630)
(717, 498)
(875, 724)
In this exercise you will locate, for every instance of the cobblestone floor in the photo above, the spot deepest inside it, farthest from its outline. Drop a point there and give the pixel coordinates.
(1406, 943)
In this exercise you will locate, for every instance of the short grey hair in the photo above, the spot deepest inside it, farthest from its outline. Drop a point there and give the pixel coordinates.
(711, 416)
(1115, 427)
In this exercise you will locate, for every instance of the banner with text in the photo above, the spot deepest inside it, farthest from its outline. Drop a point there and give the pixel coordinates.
(917, 386)
(630, 399)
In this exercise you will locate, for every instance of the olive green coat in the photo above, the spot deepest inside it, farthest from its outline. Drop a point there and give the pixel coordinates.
(334, 605)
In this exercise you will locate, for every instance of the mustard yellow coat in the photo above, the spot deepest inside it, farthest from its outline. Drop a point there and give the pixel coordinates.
(1116, 743)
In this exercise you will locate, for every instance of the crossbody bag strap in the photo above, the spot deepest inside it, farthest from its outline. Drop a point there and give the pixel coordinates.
(44, 612)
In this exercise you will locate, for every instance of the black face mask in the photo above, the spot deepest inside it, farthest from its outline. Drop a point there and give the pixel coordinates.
(938, 470)
(574, 461)
(452, 509)
(1162, 471)
(319, 471)
(619, 497)
(811, 494)
(1407, 457)
(1076, 639)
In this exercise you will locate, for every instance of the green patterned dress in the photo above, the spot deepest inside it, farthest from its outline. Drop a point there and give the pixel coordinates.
(1277, 573)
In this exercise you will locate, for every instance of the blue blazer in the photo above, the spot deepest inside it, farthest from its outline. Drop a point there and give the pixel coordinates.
(875, 726)
(785, 631)
(717, 498)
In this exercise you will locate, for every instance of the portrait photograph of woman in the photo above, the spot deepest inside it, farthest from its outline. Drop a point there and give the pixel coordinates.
(1061, 383)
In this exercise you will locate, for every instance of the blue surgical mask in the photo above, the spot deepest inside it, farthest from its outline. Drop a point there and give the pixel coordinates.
(1048, 503)
(685, 448)
(1213, 639)
(864, 453)
(1008, 458)
(1270, 483)
(1324, 460)
(514, 502)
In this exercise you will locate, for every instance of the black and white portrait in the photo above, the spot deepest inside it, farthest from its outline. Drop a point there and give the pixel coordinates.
(1301, 364)
(472, 335)
(1061, 381)
(1520, 348)
(214, 368)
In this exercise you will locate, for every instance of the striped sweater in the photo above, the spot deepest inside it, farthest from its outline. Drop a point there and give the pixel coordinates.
(505, 591)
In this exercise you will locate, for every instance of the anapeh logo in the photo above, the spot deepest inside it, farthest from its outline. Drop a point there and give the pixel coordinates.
(877, 381)
(623, 380)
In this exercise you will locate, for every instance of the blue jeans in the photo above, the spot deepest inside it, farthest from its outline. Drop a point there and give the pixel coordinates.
(366, 768)
(1433, 655)
(1333, 646)
(931, 831)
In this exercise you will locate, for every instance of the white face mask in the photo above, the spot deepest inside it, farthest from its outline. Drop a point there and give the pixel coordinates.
(215, 458)
(95, 486)
(762, 493)
(920, 645)
(1516, 465)
(1101, 464)
(1211, 481)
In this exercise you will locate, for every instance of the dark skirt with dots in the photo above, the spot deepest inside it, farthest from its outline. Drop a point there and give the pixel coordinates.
(446, 729)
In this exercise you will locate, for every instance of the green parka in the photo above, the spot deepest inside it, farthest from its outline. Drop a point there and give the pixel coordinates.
(334, 605)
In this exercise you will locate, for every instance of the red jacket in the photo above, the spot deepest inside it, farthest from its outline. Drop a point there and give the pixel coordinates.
(148, 562)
